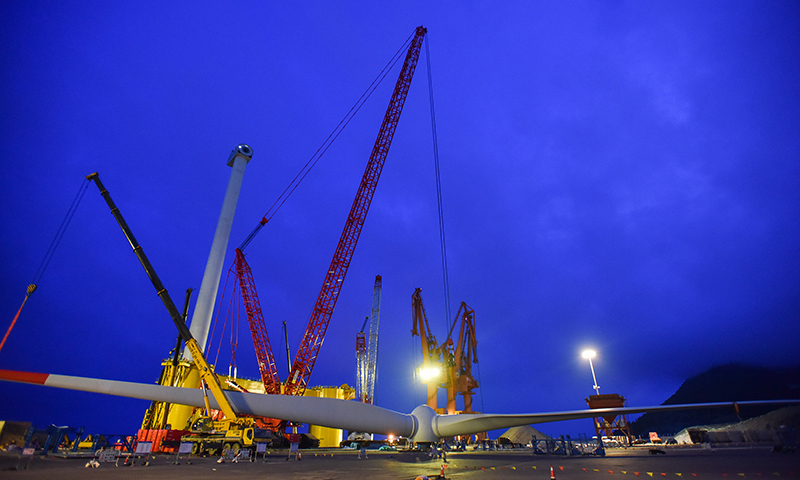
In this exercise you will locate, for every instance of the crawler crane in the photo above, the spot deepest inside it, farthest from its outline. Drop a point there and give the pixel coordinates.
(314, 336)
(334, 279)
(161, 415)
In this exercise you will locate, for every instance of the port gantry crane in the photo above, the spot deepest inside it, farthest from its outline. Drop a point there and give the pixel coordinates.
(445, 365)
(465, 354)
(432, 367)
(334, 278)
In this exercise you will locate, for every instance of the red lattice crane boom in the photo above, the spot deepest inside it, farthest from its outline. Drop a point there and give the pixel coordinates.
(334, 278)
(258, 329)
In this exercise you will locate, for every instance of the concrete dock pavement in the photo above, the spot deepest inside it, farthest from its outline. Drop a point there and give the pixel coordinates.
(622, 464)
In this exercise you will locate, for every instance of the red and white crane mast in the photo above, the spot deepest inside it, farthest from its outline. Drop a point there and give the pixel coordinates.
(367, 357)
(361, 362)
(372, 349)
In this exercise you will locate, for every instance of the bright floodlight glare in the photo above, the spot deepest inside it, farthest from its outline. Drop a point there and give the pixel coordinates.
(428, 373)
(589, 355)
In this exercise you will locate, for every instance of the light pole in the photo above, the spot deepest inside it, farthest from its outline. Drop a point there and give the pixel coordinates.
(590, 354)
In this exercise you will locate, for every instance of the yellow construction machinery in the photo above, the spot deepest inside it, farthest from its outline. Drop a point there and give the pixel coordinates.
(210, 433)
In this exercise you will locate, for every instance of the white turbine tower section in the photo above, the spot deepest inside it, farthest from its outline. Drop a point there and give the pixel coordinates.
(204, 308)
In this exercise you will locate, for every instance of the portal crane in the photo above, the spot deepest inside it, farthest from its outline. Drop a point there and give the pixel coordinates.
(432, 368)
(448, 365)
(460, 376)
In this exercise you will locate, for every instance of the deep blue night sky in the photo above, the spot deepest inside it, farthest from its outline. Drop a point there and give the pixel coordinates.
(622, 176)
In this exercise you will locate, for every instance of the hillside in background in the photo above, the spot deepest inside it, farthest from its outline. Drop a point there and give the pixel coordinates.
(722, 384)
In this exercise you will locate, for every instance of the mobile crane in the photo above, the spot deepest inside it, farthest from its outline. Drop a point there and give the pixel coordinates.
(207, 435)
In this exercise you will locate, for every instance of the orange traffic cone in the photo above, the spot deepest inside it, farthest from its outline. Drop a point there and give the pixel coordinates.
(552, 473)
(441, 471)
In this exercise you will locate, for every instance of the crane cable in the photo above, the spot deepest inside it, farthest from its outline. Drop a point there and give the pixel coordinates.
(48, 255)
(229, 314)
(234, 340)
(443, 243)
(326, 144)
(445, 276)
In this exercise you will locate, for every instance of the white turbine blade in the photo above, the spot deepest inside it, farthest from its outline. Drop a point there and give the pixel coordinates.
(422, 425)
(325, 412)
(184, 396)
(464, 424)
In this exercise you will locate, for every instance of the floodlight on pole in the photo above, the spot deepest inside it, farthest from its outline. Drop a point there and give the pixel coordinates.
(590, 354)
